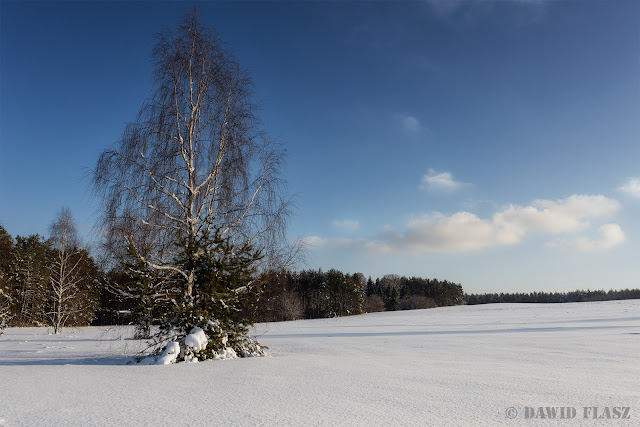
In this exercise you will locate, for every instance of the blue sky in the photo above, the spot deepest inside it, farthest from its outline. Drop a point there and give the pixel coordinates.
(491, 143)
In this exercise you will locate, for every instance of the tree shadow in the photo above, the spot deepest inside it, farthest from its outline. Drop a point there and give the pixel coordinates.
(84, 361)
(451, 332)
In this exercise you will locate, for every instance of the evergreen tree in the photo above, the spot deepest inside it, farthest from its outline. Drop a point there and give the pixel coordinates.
(29, 277)
(220, 302)
(6, 298)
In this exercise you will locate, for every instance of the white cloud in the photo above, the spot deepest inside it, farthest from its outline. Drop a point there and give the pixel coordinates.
(434, 180)
(563, 216)
(611, 235)
(631, 187)
(314, 241)
(346, 225)
(460, 232)
(465, 231)
(411, 124)
(377, 248)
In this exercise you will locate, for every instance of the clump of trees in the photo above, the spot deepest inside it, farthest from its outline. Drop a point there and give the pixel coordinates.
(309, 294)
(407, 293)
(552, 297)
(47, 282)
(316, 294)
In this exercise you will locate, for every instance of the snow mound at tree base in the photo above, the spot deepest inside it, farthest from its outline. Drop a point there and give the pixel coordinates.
(169, 355)
(196, 340)
(195, 347)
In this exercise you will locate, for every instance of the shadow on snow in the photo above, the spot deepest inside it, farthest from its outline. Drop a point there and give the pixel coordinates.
(452, 332)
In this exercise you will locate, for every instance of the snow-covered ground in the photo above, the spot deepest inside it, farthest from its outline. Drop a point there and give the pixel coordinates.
(445, 366)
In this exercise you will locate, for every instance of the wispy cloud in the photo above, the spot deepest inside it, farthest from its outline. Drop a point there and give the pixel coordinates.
(434, 180)
(468, 11)
(445, 7)
(409, 123)
(317, 242)
(349, 225)
(631, 187)
(611, 235)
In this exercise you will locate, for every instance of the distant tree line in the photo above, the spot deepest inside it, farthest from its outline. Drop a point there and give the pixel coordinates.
(55, 282)
(552, 297)
(283, 295)
(407, 293)
(313, 294)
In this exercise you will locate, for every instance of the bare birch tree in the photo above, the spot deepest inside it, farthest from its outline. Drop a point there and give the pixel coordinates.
(69, 294)
(195, 165)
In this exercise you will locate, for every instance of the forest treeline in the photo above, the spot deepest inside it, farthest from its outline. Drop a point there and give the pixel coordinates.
(310, 294)
(32, 292)
(315, 294)
(552, 297)
(30, 289)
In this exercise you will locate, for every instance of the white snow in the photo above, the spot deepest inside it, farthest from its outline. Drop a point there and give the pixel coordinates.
(196, 339)
(226, 353)
(170, 354)
(463, 365)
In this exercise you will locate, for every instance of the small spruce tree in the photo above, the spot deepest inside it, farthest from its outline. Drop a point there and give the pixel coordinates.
(141, 288)
(220, 301)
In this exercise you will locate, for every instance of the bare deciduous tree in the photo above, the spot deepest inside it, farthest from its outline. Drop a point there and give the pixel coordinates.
(195, 163)
(69, 279)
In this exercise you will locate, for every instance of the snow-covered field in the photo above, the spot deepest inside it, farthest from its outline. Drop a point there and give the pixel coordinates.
(465, 365)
